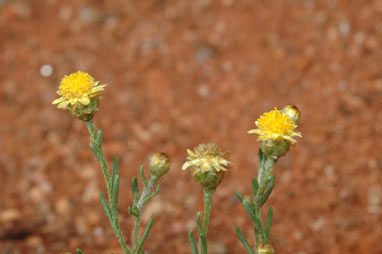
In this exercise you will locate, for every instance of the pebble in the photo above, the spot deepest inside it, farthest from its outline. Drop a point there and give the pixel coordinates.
(46, 70)
(203, 91)
(10, 215)
(318, 224)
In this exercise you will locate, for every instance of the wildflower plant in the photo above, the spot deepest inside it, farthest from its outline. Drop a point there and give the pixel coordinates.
(276, 130)
(208, 167)
(80, 95)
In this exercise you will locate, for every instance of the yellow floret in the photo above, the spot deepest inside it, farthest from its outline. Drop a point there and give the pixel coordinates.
(206, 158)
(275, 125)
(78, 87)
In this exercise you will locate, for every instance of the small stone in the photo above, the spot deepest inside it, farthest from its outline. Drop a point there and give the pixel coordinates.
(153, 207)
(34, 241)
(46, 70)
(10, 215)
(318, 224)
(203, 91)
(217, 248)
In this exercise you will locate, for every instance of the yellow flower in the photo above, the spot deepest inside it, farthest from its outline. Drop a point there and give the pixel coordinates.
(78, 87)
(275, 125)
(206, 158)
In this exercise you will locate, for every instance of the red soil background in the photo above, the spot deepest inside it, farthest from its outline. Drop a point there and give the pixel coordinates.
(180, 73)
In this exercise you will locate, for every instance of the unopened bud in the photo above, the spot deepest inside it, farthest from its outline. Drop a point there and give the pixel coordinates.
(292, 112)
(265, 248)
(159, 164)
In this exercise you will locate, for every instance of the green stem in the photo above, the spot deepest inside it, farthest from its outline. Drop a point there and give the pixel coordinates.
(141, 202)
(97, 143)
(96, 147)
(265, 171)
(206, 219)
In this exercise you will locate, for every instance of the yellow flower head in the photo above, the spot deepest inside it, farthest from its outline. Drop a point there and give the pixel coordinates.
(275, 125)
(78, 87)
(206, 158)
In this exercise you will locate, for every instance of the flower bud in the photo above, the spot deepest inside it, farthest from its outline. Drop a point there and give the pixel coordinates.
(265, 248)
(292, 112)
(159, 164)
(208, 165)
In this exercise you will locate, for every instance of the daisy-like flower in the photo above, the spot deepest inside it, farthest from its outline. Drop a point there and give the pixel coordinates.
(206, 158)
(208, 165)
(77, 89)
(278, 125)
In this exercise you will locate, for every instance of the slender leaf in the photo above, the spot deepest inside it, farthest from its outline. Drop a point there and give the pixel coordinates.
(153, 194)
(106, 208)
(203, 244)
(250, 212)
(146, 233)
(255, 186)
(269, 190)
(99, 138)
(198, 223)
(135, 190)
(256, 221)
(268, 224)
(78, 251)
(114, 172)
(114, 204)
(142, 173)
(244, 241)
(239, 196)
(191, 238)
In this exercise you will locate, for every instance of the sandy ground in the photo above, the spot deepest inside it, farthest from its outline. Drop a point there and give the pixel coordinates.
(180, 73)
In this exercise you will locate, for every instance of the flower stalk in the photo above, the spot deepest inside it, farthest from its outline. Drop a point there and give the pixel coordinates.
(80, 96)
(208, 167)
(275, 130)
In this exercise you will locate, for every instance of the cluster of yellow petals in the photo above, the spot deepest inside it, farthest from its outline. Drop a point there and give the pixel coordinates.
(78, 87)
(275, 125)
(206, 158)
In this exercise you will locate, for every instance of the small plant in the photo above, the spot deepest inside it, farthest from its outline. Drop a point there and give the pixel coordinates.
(207, 164)
(80, 95)
(276, 131)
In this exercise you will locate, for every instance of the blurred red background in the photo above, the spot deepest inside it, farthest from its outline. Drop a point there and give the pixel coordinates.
(180, 73)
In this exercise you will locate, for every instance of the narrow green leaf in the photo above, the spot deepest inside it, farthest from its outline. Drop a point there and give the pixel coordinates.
(248, 208)
(269, 190)
(78, 251)
(106, 208)
(114, 204)
(198, 223)
(255, 220)
(153, 194)
(99, 138)
(142, 173)
(146, 233)
(255, 186)
(191, 238)
(244, 241)
(269, 222)
(203, 244)
(135, 190)
(114, 172)
(239, 196)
